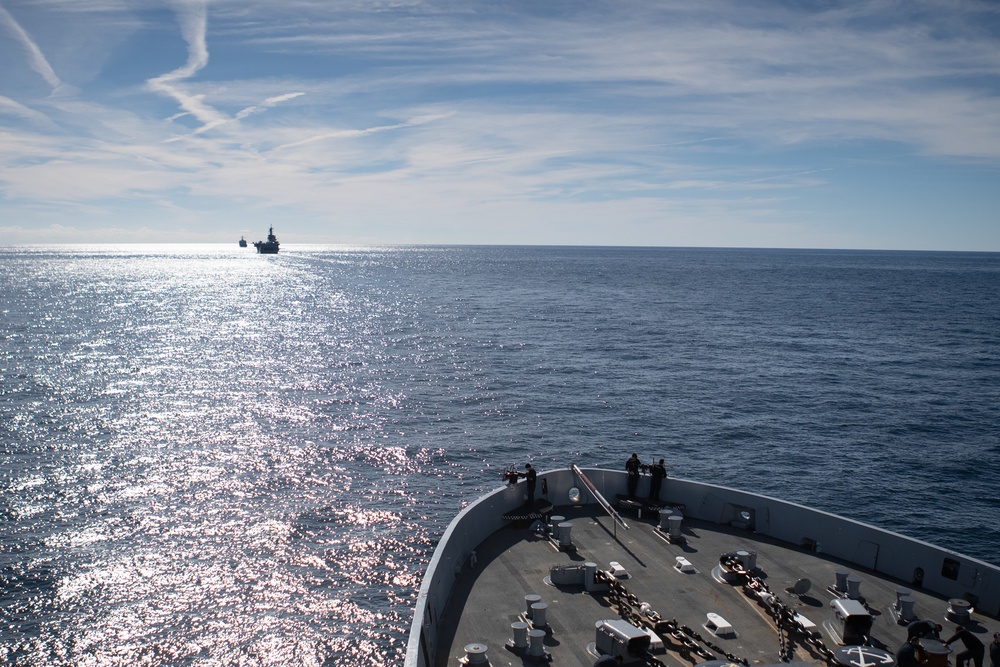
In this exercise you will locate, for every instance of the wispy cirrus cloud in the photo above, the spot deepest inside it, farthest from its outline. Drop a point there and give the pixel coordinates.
(415, 121)
(15, 108)
(457, 113)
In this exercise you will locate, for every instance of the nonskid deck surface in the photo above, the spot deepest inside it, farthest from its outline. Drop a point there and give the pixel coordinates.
(489, 595)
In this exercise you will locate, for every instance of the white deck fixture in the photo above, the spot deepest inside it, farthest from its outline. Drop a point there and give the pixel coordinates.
(684, 565)
(617, 571)
(805, 623)
(718, 625)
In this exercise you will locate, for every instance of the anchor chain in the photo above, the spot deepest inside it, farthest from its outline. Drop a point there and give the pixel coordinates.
(640, 614)
(784, 617)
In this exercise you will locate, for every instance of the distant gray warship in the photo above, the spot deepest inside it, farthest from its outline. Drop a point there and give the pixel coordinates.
(268, 247)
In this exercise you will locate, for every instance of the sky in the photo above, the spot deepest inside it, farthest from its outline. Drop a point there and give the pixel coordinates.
(872, 124)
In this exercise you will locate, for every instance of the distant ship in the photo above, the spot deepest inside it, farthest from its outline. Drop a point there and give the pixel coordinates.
(243, 242)
(268, 247)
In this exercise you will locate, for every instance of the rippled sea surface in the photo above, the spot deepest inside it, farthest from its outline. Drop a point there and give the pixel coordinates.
(212, 457)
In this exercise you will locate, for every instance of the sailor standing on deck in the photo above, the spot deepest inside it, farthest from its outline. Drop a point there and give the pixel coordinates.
(608, 660)
(530, 481)
(974, 649)
(995, 650)
(657, 471)
(632, 468)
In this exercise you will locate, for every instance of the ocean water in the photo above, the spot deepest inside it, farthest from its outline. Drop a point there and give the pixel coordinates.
(212, 457)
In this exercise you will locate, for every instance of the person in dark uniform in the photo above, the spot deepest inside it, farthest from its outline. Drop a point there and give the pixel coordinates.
(632, 468)
(530, 480)
(657, 472)
(974, 648)
(910, 654)
(921, 629)
(995, 650)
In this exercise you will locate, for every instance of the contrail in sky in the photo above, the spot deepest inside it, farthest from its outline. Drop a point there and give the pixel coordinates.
(35, 56)
(192, 15)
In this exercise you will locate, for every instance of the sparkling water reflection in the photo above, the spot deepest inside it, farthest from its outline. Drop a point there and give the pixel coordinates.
(188, 456)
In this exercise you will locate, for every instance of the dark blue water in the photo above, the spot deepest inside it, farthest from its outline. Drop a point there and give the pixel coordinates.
(211, 457)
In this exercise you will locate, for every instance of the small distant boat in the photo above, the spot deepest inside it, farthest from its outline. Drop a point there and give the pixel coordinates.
(243, 242)
(268, 247)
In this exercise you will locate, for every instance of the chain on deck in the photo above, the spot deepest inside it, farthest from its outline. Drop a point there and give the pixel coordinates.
(688, 642)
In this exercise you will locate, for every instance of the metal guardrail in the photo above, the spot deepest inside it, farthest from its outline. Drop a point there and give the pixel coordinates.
(600, 499)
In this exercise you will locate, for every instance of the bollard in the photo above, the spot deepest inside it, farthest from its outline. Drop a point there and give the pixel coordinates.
(906, 603)
(748, 559)
(675, 526)
(529, 600)
(901, 593)
(841, 585)
(520, 630)
(565, 539)
(854, 587)
(538, 614)
(958, 611)
(475, 654)
(535, 647)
